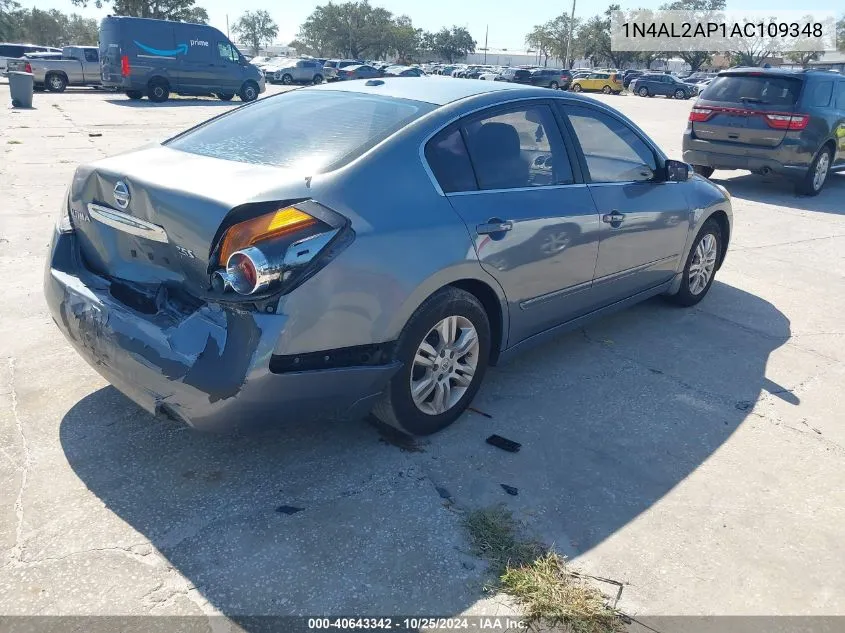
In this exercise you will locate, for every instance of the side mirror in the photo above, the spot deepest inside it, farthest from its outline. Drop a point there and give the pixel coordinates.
(677, 171)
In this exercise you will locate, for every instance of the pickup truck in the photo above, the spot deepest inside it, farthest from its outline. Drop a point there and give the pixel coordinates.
(78, 66)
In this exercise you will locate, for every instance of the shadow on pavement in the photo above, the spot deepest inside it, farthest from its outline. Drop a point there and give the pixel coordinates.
(611, 418)
(176, 102)
(781, 192)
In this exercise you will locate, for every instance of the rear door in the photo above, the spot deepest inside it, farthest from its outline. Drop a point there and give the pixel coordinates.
(742, 111)
(507, 173)
(839, 131)
(644, 220)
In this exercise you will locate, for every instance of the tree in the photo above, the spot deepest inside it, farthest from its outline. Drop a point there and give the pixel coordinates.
(594, 36)
(803, 57)
(82, 31)
(542, 38)
(559, 28)
(406, 39)
(8, 19)
(182, 10)
(454, 43)
(255, 29)
(840, 31)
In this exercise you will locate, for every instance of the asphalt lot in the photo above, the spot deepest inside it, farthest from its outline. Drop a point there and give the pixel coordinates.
(695, 455)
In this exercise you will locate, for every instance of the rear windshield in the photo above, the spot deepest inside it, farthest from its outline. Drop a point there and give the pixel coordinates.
(756, 89)
(312, 130)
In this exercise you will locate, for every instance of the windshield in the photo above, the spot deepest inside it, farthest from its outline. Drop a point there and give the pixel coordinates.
(762, 89)
(309, 130)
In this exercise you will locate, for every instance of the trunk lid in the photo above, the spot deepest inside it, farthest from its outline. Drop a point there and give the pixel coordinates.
(739, 104)
(151, 216)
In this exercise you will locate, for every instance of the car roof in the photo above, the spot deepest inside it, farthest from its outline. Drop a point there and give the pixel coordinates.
(776, 72)
(439, 90)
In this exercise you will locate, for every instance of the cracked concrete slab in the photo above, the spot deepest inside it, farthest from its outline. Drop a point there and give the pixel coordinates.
(693, 454)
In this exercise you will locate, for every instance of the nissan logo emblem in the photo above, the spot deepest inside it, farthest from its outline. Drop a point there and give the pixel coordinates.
(121, 194)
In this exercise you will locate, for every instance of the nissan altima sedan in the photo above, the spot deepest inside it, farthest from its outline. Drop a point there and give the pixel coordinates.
(257, 268)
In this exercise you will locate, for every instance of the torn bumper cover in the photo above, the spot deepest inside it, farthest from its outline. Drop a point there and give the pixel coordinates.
(207, 366)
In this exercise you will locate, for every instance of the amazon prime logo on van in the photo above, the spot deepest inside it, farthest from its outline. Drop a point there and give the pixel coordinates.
(199, 43)
(121, 194)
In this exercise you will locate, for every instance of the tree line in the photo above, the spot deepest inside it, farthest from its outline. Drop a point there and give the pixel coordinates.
(591, 40)
(358, 30)
(49, 28)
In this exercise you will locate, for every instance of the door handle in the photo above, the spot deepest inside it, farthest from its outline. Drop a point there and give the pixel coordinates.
(494, 226)
(614, 219)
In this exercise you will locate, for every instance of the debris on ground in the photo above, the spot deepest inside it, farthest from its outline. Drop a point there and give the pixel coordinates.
(510, 489)
(444, 494)
(479, 412)
(505, 444)
(288, 509)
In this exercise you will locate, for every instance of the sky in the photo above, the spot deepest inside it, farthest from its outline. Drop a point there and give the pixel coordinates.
(508, 22)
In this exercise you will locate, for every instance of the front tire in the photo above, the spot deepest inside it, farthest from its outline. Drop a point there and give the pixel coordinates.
(606, 90)
(680, 94)
(700, 269)
(287, 79)
(225, 96)
(643, 92)
(813, 181)
(318, 79)
(576, 87)
(249, 92)
(553, 85)
(444, 350)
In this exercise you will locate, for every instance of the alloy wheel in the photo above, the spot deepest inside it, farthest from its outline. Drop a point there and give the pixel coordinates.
(703, 264)
(444, 365)
(822, 167)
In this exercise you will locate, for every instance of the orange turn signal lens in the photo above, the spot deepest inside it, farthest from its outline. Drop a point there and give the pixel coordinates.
(264, 227)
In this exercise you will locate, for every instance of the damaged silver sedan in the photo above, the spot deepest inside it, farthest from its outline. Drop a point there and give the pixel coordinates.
(259, 268)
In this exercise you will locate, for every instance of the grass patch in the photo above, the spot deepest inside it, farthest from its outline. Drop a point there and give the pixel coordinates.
(13, 142)
(537, 577)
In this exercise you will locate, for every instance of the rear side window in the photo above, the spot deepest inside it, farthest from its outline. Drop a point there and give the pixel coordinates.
(820, 94)
(311, 131)
(11, 50)
(840, 96)
(761, 89)
(448, 159)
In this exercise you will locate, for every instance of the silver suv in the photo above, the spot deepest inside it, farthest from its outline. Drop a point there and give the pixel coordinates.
(295, 71)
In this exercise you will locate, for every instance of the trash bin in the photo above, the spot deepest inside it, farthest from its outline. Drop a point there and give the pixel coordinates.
(21, 85)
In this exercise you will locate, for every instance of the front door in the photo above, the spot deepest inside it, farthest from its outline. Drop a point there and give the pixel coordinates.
(533, 223)
(645, 220)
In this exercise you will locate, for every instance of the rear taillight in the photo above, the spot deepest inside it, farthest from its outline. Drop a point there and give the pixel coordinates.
(124, 66)
(27, 68)
(787, 121)
(277, 251)
(697, 115)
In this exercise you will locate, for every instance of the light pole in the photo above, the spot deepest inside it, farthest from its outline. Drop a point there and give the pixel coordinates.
(569, 38)
(486, 31)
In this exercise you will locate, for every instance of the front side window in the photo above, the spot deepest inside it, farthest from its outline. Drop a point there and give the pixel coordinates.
(612, 150)
(517, 149)
(227, 52)
(91, 55)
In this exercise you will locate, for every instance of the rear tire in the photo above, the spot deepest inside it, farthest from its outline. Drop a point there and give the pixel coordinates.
(813, 181)
(225, 96)
(576, 87)
(55, 82)
(680, 94)
(249, 92)
(158, 90)
(318, 79)
(701, 258)
(430, 360)
(703, 170)
(135, 95)
(553, 85)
